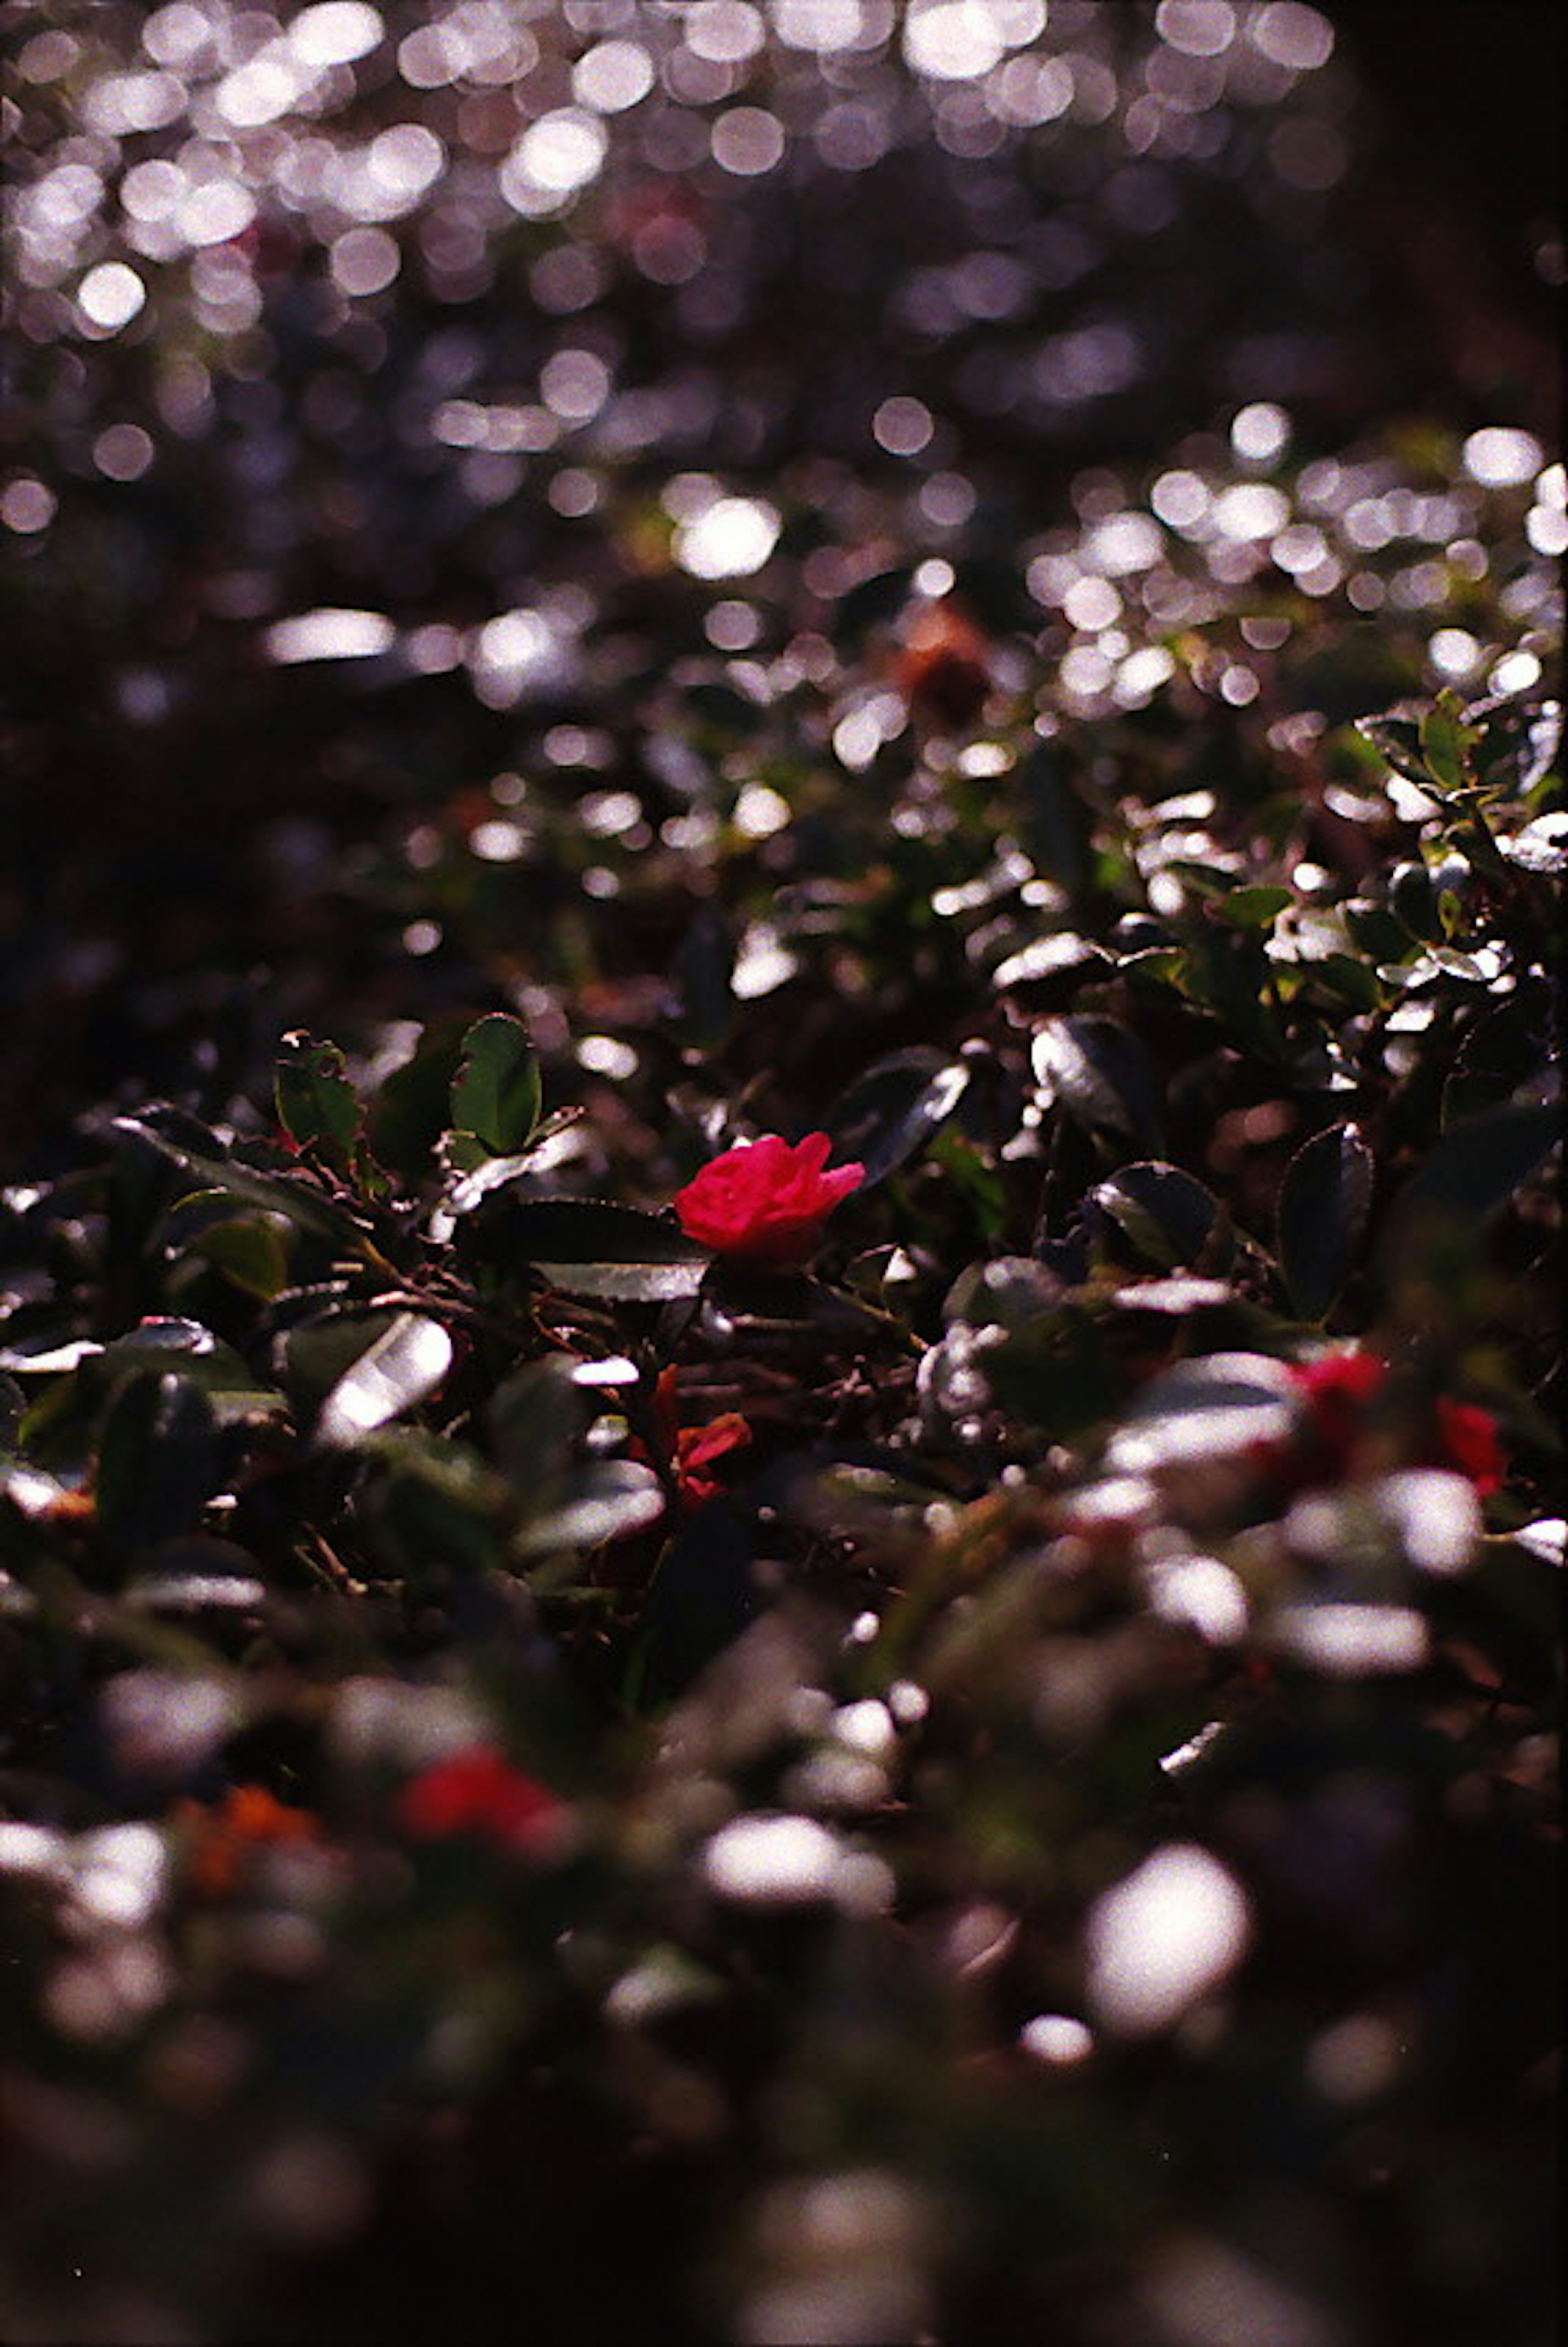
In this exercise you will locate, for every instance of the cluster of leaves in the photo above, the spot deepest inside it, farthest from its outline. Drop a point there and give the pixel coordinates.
(995, 1782)
(775, 1913)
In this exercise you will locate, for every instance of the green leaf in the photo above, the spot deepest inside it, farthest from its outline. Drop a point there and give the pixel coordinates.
(535, 1417)
(318, 1107)
(1541, 846)
(1374, 930)
(1398, 740)
(1170, 1218)
(587, 1246)
(198, 1575)
(250, 1251)
(1054, 824)
(158, 1459)
(608, 1499)
(294, 1196)
(1342, 974)
(1499, 1056)
(888, 1113)
(1321, 1219)
(1210, 882)
(414, 1106)
(1515, 743)
(1100, 1073)
(750, 1304)
(496, 1093)
(1154, 968)
(1476, 1168)
(186, 1348)
(1255, 908)
(40, 1340)
(1054, 1373)
(1049, 968)
(1446, 742)
(464, 1152)
(435, 1505)
(1216, 1405)
(406, 1362)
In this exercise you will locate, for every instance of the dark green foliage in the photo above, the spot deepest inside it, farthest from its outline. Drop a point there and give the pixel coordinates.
(1324, 1202)
(494, 1093)
(317, 1105)
(996, 1781)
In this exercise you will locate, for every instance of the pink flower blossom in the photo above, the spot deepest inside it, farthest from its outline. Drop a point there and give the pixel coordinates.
(767, 1199)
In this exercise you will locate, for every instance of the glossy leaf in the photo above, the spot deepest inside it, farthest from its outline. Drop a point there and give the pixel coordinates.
(1446, 741)
(1221, 1404)
(158, 1459)
(1255, 908)
(1321, 1219)
(1398, 740)
(748, 1305)
(1349, 980)
(397, 1370)
(414, 1106)
(236, 1396)
(608, 1500)
(535, 1416)
(318, 1107)
(1054, 1373)
(299, 1201)
(1049, 970)
(434, 1503)
(1099, 1072)
(1499, 1055)
(890, 1112)
(250, 1250)
(1516, 743)
(587, 1246)
(1169, 1217)
(1054, 824)
(496, 1093)
(37, 1343)
(1541, 846)
(198, 1574)
(1477, 1167)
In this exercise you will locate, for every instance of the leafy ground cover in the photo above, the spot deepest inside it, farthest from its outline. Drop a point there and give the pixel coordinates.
(781, 1507)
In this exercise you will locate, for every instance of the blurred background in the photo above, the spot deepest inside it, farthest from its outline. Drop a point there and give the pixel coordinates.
(391, 390)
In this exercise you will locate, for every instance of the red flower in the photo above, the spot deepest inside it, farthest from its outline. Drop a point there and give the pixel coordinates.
(1470, 1444)
(766, 1200)
(686, 1452)
(478, 1793)
(1338, 1386)
(697, 1448)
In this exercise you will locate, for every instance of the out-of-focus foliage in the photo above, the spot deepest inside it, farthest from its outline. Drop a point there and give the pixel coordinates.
(589, 584)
